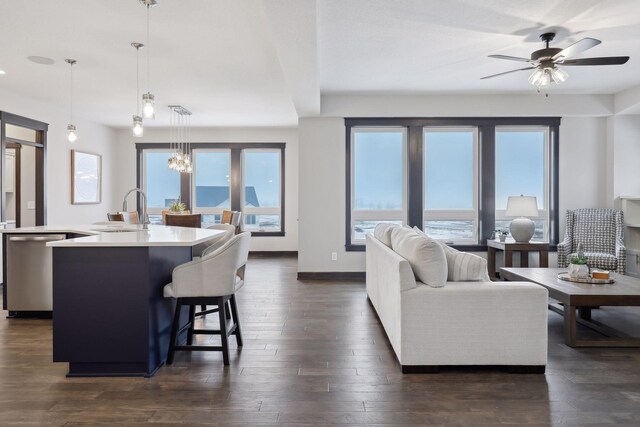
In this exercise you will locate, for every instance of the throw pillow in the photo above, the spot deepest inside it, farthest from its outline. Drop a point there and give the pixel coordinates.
(463, 266)
(382, 232)
(425, 255)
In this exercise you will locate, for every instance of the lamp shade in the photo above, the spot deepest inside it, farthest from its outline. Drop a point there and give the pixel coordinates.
(522, 206)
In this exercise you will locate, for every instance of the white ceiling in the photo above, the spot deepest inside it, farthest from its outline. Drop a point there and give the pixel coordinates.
(442, 46)
(264, 62)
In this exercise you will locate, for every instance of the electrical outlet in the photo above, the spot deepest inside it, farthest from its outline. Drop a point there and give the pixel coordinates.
(334, 256)
(31, 205)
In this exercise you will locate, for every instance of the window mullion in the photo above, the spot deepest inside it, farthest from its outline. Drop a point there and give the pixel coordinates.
(235, 180)
(415, 182)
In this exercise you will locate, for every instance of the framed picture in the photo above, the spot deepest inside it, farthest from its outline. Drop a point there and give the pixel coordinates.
(86, 178)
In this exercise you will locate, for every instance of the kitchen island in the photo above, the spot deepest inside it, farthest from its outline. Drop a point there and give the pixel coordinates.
(109, 315)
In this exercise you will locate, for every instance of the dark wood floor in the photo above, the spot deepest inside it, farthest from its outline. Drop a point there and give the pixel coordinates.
(315, 354)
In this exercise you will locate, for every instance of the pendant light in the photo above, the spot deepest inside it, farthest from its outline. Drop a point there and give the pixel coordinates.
(72, 136)
(138, 129)
(148, 100)
(180, 139)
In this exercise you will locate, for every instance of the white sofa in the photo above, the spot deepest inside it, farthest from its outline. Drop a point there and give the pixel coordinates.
(462, 323)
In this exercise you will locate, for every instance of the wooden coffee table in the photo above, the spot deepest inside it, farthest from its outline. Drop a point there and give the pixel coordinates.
(583, 297)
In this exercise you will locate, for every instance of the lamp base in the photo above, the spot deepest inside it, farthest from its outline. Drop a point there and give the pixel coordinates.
(522, 229)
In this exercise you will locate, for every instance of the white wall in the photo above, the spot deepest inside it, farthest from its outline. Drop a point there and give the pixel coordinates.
(626, 155)
(92, 137)
(126, 177)
(583, 150)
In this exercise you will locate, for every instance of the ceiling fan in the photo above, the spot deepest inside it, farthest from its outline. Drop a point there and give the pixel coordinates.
(546, 62)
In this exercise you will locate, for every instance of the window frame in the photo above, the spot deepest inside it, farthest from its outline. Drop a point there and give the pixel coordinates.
(486, 169)
(262, 211)
(150, 210)
(455, 214)
(374, 214)
(187, 185)
(194, 202)
(500, 214)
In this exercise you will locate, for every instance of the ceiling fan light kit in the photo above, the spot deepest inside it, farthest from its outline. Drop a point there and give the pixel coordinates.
(546, 63)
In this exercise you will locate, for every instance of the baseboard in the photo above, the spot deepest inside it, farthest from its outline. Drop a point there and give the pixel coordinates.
(332, 275)
(274, 254)
(434, 369)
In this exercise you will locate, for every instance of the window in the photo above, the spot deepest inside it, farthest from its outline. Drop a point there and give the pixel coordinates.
(378, 179)
(211, 183)
(161, 184)
(451, 177)
(261, 195)
(522, 164)
(247, 177)
(450, 184)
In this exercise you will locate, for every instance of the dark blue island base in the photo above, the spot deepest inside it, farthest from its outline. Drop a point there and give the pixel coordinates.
(109, 315)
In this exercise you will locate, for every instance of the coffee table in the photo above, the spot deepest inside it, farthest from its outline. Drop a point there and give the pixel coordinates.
(583, 297)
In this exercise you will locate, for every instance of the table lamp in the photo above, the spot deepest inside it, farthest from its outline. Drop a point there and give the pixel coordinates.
(521, 207)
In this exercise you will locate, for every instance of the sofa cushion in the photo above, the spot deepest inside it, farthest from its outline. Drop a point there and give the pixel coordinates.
(425, 255)
(382, 232)
(463, 266)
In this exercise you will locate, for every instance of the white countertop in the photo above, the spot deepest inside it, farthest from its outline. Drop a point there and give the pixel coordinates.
(127, 235)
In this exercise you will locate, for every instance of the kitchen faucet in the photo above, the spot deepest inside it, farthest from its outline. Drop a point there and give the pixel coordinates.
(145, 217)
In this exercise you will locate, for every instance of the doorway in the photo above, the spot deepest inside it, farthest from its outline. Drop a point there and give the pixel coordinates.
(22, 171)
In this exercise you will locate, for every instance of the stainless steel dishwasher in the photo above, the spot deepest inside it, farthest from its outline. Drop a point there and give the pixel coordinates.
(29, 272)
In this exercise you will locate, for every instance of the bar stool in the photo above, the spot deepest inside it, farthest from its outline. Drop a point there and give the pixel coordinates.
(210, 246)
(211, 280)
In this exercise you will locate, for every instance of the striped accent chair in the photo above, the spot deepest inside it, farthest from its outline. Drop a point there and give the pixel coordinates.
(601, 232)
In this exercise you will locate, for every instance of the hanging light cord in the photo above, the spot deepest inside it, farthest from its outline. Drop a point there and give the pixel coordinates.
(138, 81)
(71, 93)
(148, 67)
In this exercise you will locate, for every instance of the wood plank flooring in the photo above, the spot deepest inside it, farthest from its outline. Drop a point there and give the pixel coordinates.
(315, 354)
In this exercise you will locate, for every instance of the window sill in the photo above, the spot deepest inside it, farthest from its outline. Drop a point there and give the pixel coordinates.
(463, 248)
(266, 233)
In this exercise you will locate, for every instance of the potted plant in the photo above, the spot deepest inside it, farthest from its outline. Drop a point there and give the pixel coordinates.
(578, 268)
(177, 207)
(502, 234)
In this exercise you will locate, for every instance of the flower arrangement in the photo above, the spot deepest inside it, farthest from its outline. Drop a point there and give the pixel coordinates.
(501, 234)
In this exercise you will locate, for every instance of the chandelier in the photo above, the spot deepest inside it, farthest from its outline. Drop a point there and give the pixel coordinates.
(180, 139)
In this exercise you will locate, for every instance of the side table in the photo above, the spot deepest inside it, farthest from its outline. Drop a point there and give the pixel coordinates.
(509, 247)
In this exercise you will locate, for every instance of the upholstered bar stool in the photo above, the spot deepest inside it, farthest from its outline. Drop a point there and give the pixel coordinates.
(210, 280)
(211, 246)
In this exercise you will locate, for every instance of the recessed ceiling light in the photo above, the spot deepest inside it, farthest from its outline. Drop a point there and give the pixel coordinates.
(43, 60)
(2, 72)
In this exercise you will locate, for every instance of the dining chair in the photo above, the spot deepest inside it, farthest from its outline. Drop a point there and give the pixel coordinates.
(115, 217)
(184, 220)
(166, 212)
(227, 216)
(236, 220)
(131, 217)
(213, 279)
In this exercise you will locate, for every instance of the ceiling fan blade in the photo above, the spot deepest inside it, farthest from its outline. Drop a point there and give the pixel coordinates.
(510, 58)
(576, 48)
(506, 72)
(608, 60)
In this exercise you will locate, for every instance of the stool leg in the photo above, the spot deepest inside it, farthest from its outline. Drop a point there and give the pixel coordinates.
(223, 330)
(236, 319)
(192, 320)
(174, 331)
(227, 311)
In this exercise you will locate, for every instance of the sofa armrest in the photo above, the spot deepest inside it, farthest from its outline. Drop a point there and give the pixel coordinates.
(388, 277)
(481, 323)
